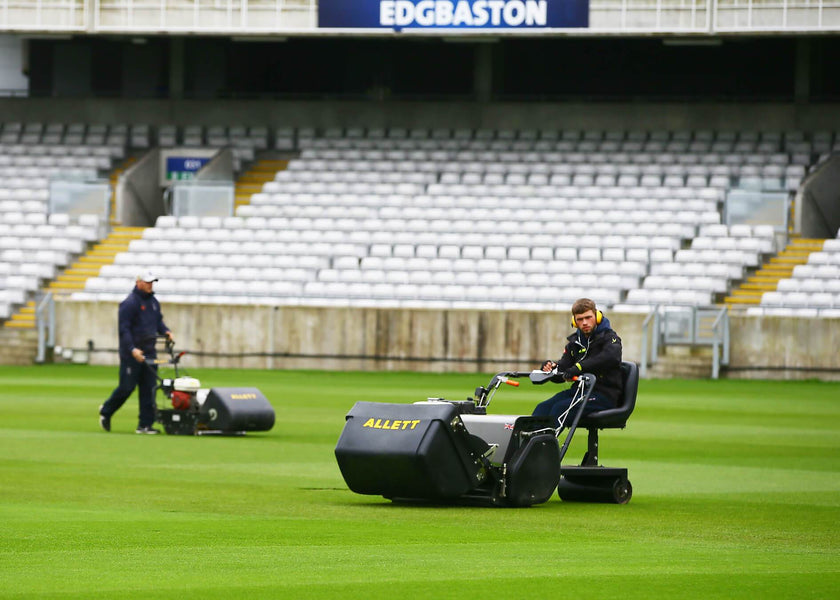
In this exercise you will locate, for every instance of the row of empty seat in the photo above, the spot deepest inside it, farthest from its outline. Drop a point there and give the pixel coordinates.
(370, 212)
(660, 135)
(261, 254)
(34, 247)
(142, 135)
(797, 153)
(518, 209)
(484, 217)
(74, 135)
(765, 178)
(100, 140)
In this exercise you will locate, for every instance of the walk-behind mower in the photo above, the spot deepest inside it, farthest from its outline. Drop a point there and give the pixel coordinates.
(184, 408)
(445, 452)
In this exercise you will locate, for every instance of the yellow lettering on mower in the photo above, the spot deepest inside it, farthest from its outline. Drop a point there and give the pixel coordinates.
(243, 396)
(390, 425)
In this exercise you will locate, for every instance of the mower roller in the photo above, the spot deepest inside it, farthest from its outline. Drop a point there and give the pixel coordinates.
(183, 407)
(453, 452)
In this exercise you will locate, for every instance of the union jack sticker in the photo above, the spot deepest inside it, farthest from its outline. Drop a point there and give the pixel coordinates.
(509, 426)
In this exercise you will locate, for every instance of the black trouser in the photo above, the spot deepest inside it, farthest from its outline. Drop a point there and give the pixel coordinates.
(134, 374)
(559, 403)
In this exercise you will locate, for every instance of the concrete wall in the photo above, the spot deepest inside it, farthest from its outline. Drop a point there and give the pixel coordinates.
(343, 338)
(784, 348)
(263, 337)
(740, 116)
(139, 198)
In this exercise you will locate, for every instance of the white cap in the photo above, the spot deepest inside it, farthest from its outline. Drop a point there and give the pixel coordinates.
(147, 276)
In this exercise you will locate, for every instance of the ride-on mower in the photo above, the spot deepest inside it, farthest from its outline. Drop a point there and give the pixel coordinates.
(184, 408)
(454, 452)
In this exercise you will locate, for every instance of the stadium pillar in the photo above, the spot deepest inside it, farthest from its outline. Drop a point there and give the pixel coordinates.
(176, 68)
(483, 72)
(802, 77)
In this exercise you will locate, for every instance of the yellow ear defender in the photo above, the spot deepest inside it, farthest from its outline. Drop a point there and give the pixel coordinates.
(599, 316)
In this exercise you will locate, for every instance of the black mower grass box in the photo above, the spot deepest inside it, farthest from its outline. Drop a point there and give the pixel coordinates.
(407, 451)
(236, 409)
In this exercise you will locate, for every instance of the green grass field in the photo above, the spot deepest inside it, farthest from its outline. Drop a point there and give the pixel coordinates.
(736, 495)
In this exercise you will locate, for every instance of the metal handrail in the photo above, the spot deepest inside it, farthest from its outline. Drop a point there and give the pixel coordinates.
(45, 326)
(719, 340)
(720, 326)
(654, 346)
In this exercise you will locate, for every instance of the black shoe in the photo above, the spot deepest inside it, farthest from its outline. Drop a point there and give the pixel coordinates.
(148, 430)
(104, 422)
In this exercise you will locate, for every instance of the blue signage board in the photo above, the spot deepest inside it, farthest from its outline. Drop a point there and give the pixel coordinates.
(453, 14)
(184, 167)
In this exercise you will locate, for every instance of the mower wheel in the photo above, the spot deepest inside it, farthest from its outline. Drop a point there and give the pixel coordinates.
(622, 491)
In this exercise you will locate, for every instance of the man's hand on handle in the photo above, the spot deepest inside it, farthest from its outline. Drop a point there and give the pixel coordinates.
(550, 365)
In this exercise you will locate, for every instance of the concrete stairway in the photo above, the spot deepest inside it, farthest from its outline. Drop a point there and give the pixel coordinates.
(682, 362)
(102, 253)
(252, 180)
(767, 277)
(24, 318)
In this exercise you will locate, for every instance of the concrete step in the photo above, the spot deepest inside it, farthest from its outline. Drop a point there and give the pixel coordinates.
(70, 277)
(687, 362)
(63, 284)
(664, 369)
(18, 346)
(780, 271)
(94, 260)
(86, 271)
(812, 244)
(248, 188)
(745, 293)
(269, 165)
(789, 260)
(110, 247)
(760, 286)
(126, 231)
(17, 322)
(23, 318)
(256, 176)
(742, 300)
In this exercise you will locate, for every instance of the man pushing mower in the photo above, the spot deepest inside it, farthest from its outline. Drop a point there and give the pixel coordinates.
(140, 322)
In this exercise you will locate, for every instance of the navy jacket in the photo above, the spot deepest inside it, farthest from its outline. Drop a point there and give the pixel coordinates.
(140, 320)
(600, 354)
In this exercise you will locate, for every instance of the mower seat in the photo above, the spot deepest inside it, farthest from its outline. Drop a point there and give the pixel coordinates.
(616, 418)
(592, 482)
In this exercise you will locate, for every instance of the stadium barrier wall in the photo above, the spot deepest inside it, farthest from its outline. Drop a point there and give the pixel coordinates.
(498, 115)
(345, 338)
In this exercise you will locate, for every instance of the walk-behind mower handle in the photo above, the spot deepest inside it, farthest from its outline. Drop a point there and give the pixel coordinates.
(169, 347)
